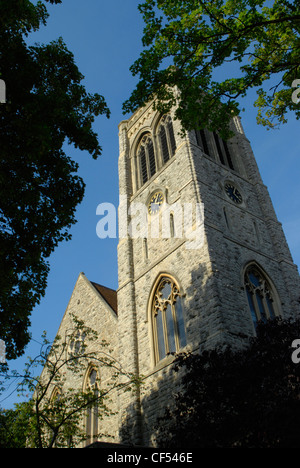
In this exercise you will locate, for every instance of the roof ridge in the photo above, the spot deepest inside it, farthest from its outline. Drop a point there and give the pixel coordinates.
(108, 294)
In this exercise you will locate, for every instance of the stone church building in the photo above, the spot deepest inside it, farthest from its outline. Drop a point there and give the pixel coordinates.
(201, 258)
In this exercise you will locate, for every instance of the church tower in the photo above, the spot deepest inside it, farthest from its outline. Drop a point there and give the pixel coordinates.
(201, 255)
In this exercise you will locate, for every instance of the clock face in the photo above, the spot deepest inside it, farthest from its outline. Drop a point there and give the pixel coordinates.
(155, 202)
(233, 193)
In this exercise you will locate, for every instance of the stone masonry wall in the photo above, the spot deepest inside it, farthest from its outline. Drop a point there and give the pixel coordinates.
(210, 277)
(87, 305)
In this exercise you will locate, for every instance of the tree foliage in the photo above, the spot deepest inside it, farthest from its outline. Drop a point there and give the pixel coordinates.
(213, 52)
(246, 398)
(53, 417)
(47, 106)
(13, 425)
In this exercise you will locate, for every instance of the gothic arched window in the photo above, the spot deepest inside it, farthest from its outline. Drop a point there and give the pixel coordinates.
(167, 319)
(202, 137)
(223, 151)
(76, 345)
(166, 138)
(260, 295)
(146, 158)
(208, 140)
(92, 410)
(57, 408)
(56, 396)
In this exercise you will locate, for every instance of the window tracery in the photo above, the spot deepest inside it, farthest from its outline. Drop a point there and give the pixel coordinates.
(166, 138)
(167, 319)
(92, 410)
(208, 140)
(260, 295)
(146, 157)
(149, 159)
(76, 344)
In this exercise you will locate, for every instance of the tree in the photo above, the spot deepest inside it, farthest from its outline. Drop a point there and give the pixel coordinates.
(13, 424)
(46, 107)
(54, 414)
(207, 55)
(247, 398)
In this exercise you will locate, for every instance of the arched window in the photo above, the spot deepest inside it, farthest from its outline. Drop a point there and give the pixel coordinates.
(58, 405)
(92, 411)
(55, 396)
(202, 140)
(223, 151)
(76, 345)
(260, 294)
(166, 138)
(172, 225)
(146, 158)
(205, 138)
(227, 219)
(167, 319)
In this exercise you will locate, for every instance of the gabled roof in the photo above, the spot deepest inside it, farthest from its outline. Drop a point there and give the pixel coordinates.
(109, 295)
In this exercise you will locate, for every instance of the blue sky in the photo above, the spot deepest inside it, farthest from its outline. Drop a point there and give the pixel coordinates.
(105, 38)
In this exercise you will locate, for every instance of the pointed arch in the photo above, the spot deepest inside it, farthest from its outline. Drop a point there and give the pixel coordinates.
(202, 138)
(91, 386)
(149, 153)
(263, 299)
(55, 395)
(146, 159)
(166, 317)
(166, 137)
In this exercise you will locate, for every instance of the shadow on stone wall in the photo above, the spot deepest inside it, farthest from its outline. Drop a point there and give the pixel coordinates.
(205, 328)
(201, 309)
(157, 392)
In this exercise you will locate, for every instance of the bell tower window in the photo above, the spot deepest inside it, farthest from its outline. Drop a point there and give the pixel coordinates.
(214, 146)
(146, 158)
(152, 155)
(223, 151)
(201, 139)
(166, 138)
